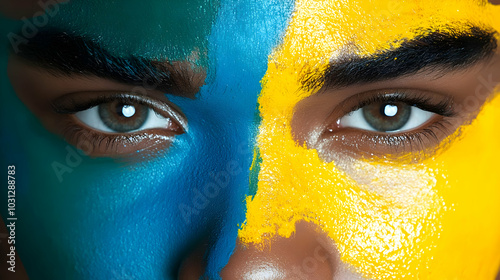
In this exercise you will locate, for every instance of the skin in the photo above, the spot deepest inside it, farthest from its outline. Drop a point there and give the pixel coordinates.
(222, 191)
(168, 207)
(383, 226)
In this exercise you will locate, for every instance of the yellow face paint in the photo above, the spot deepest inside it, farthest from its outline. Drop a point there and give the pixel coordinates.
(435, 219)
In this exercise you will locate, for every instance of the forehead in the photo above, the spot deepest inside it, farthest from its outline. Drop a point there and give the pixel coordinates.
(154, 29)
(175, 30)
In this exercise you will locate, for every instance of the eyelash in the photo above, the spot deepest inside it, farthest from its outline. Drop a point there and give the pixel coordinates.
(443, 108)
(109, 144)
(74, 132)
(72, 107)
(415, 139)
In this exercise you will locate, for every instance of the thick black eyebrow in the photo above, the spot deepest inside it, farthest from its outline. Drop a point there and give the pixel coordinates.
(64, 54)
(436, 51)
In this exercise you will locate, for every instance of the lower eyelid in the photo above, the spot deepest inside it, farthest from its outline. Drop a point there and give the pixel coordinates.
(410, 145)
(130, 147)
(356, 119)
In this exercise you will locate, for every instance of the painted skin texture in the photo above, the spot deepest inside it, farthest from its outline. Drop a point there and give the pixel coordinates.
(110, 219)
(436, 218)
(113, 220)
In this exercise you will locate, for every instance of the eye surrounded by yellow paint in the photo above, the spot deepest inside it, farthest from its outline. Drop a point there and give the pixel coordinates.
(391, 122)
(332, 121)
(434, 218)
(387, 115)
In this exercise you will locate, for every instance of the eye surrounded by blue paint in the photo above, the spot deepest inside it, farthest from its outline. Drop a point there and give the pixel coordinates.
(117, 124)
(122, 117)
(197, 64)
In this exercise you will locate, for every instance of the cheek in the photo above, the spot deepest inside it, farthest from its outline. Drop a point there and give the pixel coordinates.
(378, 232)
(440, 217)
(71, 201)
(468, 181)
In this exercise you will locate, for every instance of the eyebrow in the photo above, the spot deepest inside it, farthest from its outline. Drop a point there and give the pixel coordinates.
(67, 55)
(436, 51)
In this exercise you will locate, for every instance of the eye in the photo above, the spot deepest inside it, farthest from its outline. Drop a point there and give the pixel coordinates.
(109, 124)
(388, 117)
(122, 117)
(385, 123)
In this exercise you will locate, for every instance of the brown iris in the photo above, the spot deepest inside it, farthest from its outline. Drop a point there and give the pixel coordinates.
(387, 116)
(123, 116)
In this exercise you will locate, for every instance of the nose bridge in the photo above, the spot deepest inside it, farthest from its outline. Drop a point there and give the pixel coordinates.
(241, 39)
(307, 254)
(225, 153)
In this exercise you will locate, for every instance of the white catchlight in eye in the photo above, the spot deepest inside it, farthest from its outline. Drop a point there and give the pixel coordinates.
(115, 117)
(386, 117)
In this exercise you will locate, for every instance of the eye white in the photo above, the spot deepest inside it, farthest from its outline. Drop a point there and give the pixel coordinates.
(91, 118)
(355, 119)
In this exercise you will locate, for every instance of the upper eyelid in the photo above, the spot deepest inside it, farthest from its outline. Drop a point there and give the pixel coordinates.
(68, 105)
(422, 102)
(440, 102)
(444, 105)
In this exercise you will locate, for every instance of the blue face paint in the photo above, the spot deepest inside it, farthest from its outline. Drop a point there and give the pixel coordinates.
(96, 218)
(243, 37)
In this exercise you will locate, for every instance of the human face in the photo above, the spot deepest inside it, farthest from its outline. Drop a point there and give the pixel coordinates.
(320, 139)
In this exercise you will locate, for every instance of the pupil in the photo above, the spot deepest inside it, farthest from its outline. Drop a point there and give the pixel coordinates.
(387, 117)
(123, 117)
